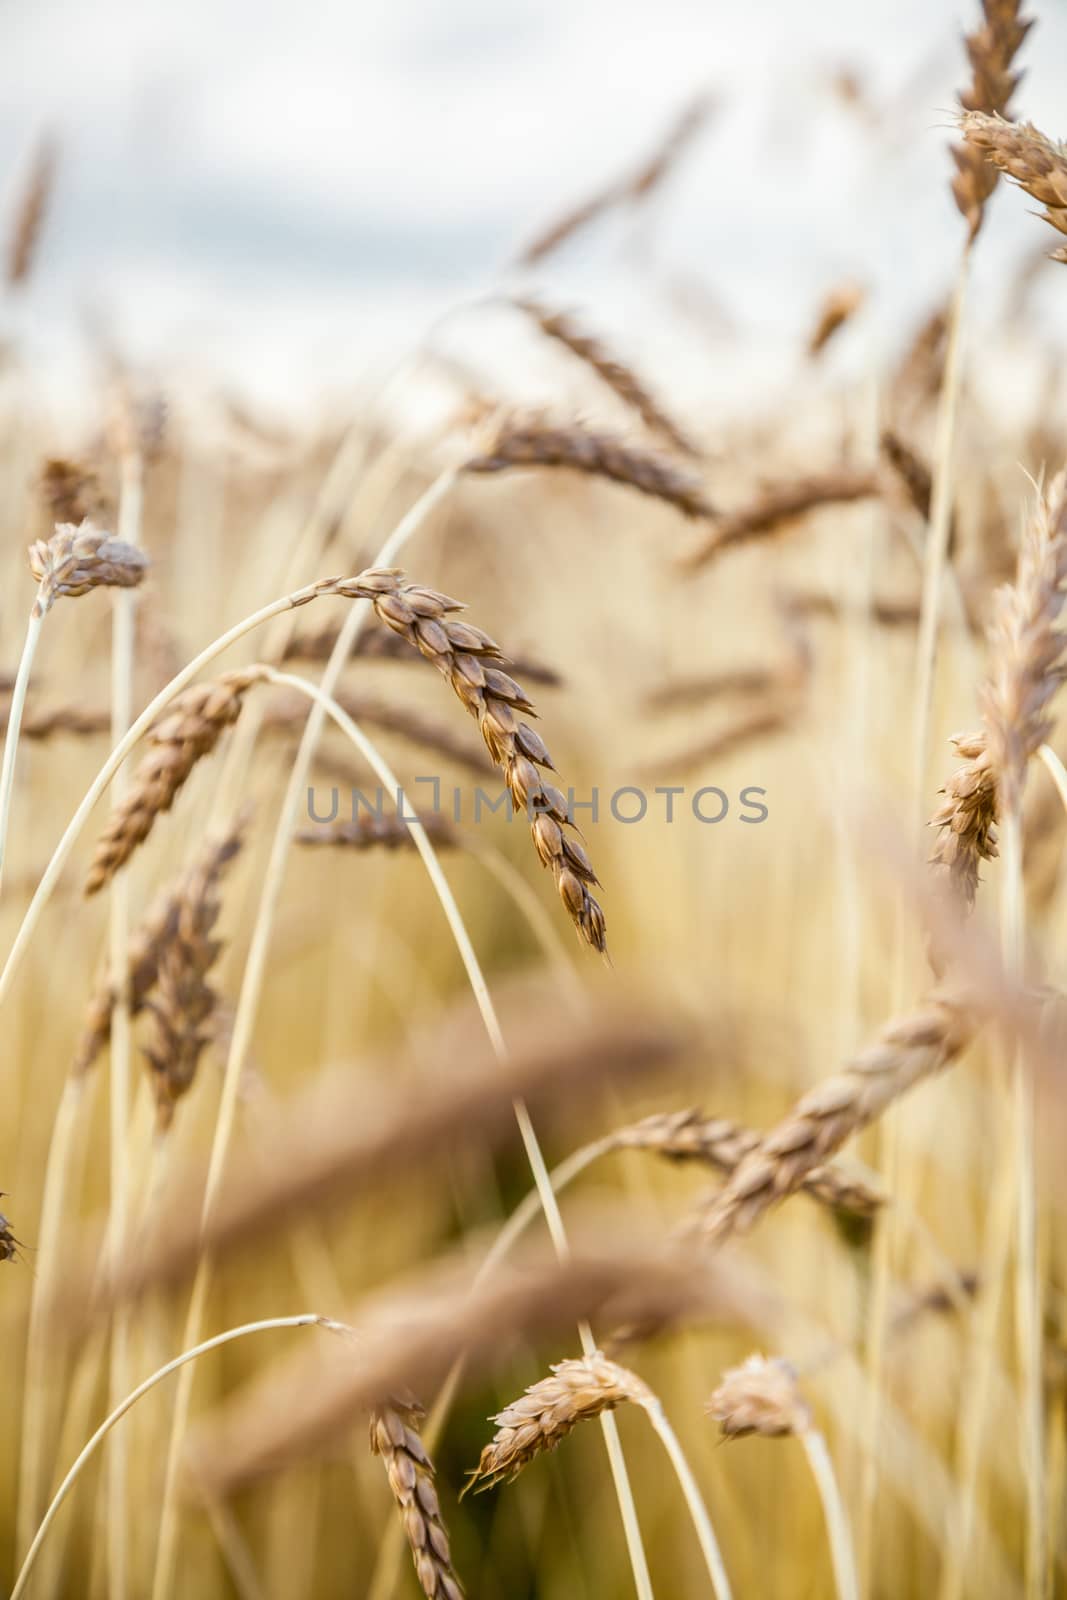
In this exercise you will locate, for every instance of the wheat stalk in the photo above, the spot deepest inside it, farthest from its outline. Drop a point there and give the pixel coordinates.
(763, 1397)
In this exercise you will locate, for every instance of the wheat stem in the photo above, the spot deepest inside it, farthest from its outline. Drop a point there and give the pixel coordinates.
(122, 656)
(837, 1528)
(14, 723)
(936, 549)
(305, 1320)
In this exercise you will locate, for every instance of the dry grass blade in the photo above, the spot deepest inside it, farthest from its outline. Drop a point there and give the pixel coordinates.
(394, 1436)
(723, 1144)
(779, 505)
(339, 1138)
(839, 307)
(908, 1050)
(621, 380)
(991, 51)
(372, 830)
(576, 1391)
(468, 658)
(633, 187)
(28, 221)
(303, 1409)
(535, 442)
(189, 730)
(184, 1003)
(380, 644)
(147, 945)
(79, 558)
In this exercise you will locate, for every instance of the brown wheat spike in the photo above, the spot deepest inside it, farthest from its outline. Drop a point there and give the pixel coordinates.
(576, 1391)
(394, 1436)
(911, 469)
(720, 1143)
(907, 1050)
(79, 558)
(991, 51)
(839, 307)
(467, 657)
(147, 944)
(188, 731)
(80, 721)
(632, 187)
(535, 442)
(966, 817)
(380, 644)
(9, 1245)
(760, 1396)
(30, 213)
(620, 379)
(1036, 163)
(70, 490)
(372, 830)
(184, 1003)
(778, 505)
(1027, 648)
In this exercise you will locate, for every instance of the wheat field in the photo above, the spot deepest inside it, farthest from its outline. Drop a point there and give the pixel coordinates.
(592, 1125)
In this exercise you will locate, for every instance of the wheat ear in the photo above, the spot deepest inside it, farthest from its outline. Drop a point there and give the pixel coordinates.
(991, 50)
(394, 1436)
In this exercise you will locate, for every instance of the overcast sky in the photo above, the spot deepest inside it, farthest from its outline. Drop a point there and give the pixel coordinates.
(283, 188)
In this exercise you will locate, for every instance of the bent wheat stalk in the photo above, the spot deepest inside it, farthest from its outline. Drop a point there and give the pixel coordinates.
(309, 1319)
(575, 1391)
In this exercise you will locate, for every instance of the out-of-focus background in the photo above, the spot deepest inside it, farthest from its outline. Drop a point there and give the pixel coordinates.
(286, 196)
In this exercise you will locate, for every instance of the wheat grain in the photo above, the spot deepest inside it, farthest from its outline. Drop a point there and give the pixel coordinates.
(79, 558)
(778, 506)
(633, 187)
(531, 441)
(622, 380)
(760, 1396)
(991, 51)
(839, 307)
(723, 1144)
(394, 1436)
(906, 1051)
(30, 213)
(380, 644)
(182, 1001)
(190, 730)
(467, 657)
(966, 818)
(576, 1391)
(1036, 163)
